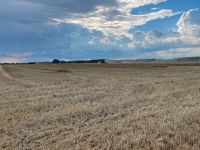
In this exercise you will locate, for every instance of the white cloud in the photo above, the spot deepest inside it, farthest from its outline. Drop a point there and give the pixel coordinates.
(115, 22)
(187, 33)
(189, 26)
(155, 8)
(178, 52)
(152, 38)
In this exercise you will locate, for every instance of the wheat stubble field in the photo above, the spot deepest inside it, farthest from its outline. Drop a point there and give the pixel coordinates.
(93, 106)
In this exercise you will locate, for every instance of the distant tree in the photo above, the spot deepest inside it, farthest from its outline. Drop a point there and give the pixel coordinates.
(55, 61)
(31, 63)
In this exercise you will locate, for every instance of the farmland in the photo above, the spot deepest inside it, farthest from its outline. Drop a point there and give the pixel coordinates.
(100, 106)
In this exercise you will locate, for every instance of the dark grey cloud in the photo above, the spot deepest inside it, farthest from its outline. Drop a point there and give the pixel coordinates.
(28, 11)
(41, 11)
(26, 24)
(74, 6)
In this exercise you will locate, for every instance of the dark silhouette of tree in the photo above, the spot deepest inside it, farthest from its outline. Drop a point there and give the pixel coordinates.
(55, 61)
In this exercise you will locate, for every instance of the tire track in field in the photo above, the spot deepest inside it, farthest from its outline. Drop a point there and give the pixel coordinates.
(5, 74)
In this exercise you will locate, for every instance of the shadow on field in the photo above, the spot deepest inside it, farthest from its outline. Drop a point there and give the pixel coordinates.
(63, 71)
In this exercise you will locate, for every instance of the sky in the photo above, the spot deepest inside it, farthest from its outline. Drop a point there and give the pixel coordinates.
(41, 30)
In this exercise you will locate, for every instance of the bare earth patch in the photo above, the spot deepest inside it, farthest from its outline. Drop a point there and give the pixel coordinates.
(87, 106)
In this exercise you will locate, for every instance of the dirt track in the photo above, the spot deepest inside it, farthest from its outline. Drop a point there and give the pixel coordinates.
(5, 74)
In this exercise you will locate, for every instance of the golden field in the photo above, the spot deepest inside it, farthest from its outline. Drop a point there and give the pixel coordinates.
(100, 106)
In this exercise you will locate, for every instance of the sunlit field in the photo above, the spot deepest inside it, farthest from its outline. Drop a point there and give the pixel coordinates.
(100, 106)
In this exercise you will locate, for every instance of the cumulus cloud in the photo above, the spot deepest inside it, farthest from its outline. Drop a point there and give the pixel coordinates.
(115, 21)
(189, 26)
(187, 34)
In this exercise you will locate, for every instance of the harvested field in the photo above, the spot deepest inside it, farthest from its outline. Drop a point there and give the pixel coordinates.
(100, 106)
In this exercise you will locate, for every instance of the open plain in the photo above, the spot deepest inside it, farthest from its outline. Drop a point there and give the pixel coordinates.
(100, 106)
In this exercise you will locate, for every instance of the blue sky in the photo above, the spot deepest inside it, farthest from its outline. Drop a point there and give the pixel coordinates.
(41, 30)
